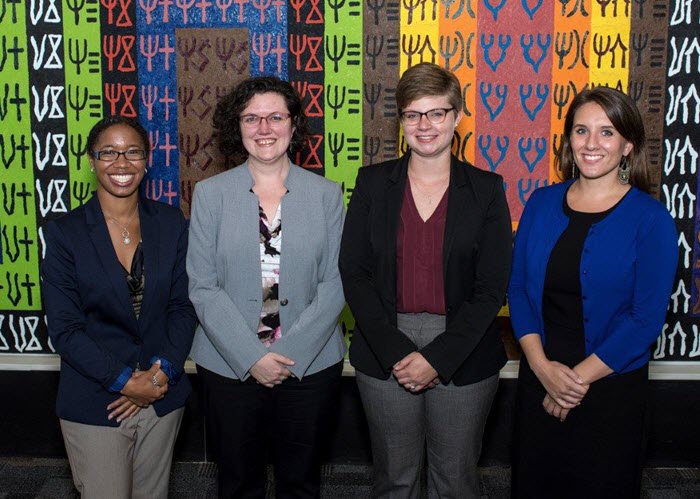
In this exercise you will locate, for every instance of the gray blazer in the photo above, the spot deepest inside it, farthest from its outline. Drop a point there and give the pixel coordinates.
(223, 264)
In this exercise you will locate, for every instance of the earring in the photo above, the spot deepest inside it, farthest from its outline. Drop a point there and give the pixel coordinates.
(92, 169)
(623, 171)
(573, 170)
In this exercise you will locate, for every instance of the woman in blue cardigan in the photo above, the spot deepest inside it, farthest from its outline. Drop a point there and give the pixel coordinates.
(594, 261)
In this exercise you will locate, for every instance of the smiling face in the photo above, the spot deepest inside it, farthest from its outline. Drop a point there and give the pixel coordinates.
(121, 177)
(426, 139)
(597, 146)
(266, 142)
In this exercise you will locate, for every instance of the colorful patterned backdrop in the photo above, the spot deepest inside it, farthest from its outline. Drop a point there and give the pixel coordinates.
(66, 63)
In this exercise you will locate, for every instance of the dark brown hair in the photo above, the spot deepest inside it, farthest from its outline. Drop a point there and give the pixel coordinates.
(625, 117)
(229, 109)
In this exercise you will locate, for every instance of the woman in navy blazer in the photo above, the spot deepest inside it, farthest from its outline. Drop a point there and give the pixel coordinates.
(115, 293)
(263, 267)
(425, 259)
(593, 267)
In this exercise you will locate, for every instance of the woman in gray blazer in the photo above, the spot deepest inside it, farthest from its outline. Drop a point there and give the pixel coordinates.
(268, 349)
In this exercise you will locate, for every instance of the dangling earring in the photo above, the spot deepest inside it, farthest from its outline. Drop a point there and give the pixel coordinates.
(573, 164)
(623, 171)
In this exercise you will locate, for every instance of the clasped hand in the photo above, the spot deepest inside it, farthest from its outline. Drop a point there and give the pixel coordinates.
(415, 373)
(139, 392)
(271, 369)
(562, 383)
(565, 388)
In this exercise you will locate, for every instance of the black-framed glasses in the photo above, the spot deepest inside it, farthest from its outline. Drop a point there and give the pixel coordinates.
(111, 155)
(274, 120)
(435, 116)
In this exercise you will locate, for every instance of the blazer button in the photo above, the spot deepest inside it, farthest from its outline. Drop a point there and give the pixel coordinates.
(284, 302)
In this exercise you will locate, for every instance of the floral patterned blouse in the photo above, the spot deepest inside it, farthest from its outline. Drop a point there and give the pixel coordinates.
(270, 245)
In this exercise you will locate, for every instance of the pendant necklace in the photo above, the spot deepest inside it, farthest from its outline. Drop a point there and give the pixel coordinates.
(126, 235)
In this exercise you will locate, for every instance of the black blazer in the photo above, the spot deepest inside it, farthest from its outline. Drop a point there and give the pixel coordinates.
(476, 267)
(91, 320)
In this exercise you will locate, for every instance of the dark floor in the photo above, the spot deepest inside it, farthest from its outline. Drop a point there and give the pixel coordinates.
(22, 478)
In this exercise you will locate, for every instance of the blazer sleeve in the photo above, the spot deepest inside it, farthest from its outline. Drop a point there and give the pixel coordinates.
(357, 262)
(181, 316)
(524, 318)
(655, 269)
(448, 351)
(221, 320)
(307, 336)
(66, 319)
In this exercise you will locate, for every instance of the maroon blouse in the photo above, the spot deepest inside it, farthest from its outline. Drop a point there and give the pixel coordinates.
(419, 281)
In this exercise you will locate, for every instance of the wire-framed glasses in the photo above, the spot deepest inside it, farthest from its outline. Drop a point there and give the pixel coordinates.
(274, 120)
(110, 155)
(435, 116)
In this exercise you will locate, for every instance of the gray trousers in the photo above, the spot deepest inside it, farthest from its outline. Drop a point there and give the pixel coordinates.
(130, 461)
(447, 421)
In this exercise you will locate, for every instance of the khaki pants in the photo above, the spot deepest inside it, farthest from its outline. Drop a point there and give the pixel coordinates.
(130, 461)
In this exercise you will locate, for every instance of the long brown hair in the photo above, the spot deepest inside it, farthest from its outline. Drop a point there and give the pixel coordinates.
(625, 117)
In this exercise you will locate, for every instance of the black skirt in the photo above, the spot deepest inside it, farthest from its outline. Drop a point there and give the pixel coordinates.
(596, 452)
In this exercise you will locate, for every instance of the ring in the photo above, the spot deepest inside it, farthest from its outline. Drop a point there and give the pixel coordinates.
(412, 386)
(154, 380)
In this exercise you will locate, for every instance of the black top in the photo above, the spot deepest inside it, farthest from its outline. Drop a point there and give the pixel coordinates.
(136, 279)
(562, 302)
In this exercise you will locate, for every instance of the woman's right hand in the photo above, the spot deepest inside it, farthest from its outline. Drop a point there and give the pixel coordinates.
(140, 387)
(123, 408)
(271, 369)
(563, 385)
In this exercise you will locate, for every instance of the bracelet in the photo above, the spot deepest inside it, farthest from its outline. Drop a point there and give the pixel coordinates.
(154, 380)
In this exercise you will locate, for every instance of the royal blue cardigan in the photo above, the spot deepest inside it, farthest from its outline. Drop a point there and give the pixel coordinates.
(627, 269)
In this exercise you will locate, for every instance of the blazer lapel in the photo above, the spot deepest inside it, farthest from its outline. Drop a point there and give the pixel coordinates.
(456, 209)
(293, 228)
(99, 235)
(150, 237)
(395, 188)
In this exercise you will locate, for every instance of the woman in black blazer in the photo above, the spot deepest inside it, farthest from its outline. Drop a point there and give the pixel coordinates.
(115, 293)
(425, 259)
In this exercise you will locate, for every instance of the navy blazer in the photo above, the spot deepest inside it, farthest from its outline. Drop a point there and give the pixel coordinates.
(91, 320)
(476, 264)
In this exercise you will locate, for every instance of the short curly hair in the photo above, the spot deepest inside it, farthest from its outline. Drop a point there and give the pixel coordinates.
(230, 106)
(108, 122)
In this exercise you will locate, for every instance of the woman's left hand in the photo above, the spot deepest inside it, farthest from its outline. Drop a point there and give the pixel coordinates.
(414, 372)
(124, 408)
(554, 409)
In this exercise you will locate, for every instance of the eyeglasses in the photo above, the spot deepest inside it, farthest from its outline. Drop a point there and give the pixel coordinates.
(274, 120)
(435, 116)
(112, 156)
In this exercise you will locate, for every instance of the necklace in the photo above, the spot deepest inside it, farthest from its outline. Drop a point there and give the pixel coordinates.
(429, 195)
(126, 235)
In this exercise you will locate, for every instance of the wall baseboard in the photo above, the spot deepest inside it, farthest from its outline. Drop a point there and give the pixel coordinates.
(658, 369)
